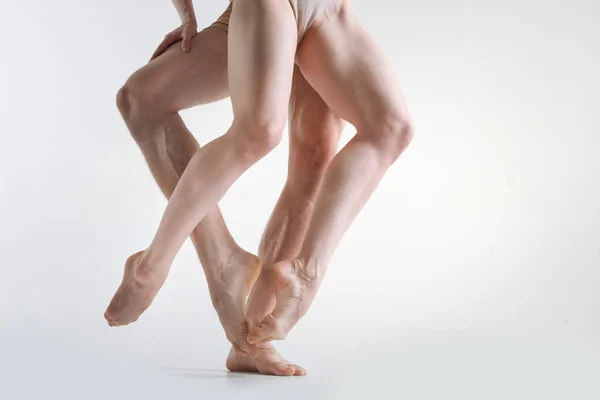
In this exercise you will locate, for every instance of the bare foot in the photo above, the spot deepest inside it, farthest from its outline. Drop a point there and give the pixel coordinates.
(268, 362)
(229, 287)
(281, 296)
(139, 287)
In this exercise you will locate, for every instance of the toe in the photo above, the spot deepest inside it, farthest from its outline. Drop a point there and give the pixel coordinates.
(299, 371)
(283, 369)
(110, 319)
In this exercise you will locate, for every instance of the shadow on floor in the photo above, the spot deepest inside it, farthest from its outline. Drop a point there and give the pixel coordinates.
(210, 373)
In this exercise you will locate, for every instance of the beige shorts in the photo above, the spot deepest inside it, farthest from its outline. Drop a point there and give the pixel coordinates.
(223, 21)
(307, 12)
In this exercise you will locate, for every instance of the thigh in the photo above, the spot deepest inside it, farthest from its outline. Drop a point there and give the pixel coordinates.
(349, 70)
(176, 80)
(314, 136)
(262, 44)
(311, 121)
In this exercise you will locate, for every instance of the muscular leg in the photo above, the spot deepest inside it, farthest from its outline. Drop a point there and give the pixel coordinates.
(262, 43)
(314, 135)
(346, 67)
(149, 102)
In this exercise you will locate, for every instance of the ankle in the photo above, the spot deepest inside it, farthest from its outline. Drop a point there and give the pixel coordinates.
(214, 254)
(148, 265)
(307, 271)
(232, 257)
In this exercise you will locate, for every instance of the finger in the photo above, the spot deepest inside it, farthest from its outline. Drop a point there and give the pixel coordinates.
(164, 45)
(186, 43)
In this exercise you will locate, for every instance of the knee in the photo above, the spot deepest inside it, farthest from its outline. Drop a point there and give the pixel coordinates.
(392, 133)
(315, 141)
(132, 99)
(259, 136)
(125, 101)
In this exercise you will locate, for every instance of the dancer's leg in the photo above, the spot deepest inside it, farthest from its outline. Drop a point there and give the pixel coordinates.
(149, 102)
(350, 72)
(314, 134)
(262, 43)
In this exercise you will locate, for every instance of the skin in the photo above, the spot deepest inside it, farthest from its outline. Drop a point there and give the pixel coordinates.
(149, 103)
(347, 68)
(344, 65)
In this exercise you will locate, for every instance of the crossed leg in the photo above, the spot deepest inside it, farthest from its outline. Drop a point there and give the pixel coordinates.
(348, 70)
(314, 135)
(346, 67)
(149, 102)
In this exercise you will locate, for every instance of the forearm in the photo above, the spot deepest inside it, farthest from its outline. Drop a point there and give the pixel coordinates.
(185, 9)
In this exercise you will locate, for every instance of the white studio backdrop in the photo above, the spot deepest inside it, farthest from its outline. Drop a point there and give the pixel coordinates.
(488, 223)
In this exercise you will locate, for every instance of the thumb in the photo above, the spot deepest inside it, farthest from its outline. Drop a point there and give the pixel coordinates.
(186, 43)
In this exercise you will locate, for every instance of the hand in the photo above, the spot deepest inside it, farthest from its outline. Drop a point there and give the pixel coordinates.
(185, 33)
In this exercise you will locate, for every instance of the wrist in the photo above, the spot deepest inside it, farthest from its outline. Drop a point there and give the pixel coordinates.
(191, 19)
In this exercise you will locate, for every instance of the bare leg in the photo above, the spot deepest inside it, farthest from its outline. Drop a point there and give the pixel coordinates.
(349, 71)
(262, 43)
(149, 102)
(314, 135)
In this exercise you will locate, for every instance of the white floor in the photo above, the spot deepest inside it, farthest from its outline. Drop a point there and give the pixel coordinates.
(435, 365)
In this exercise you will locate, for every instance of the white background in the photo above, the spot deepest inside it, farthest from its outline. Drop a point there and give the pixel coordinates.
(473, 271)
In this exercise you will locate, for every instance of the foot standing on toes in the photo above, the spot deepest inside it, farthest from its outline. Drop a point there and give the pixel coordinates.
(280, 297)
(138, 288)
(229, 287)
(352, 74)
